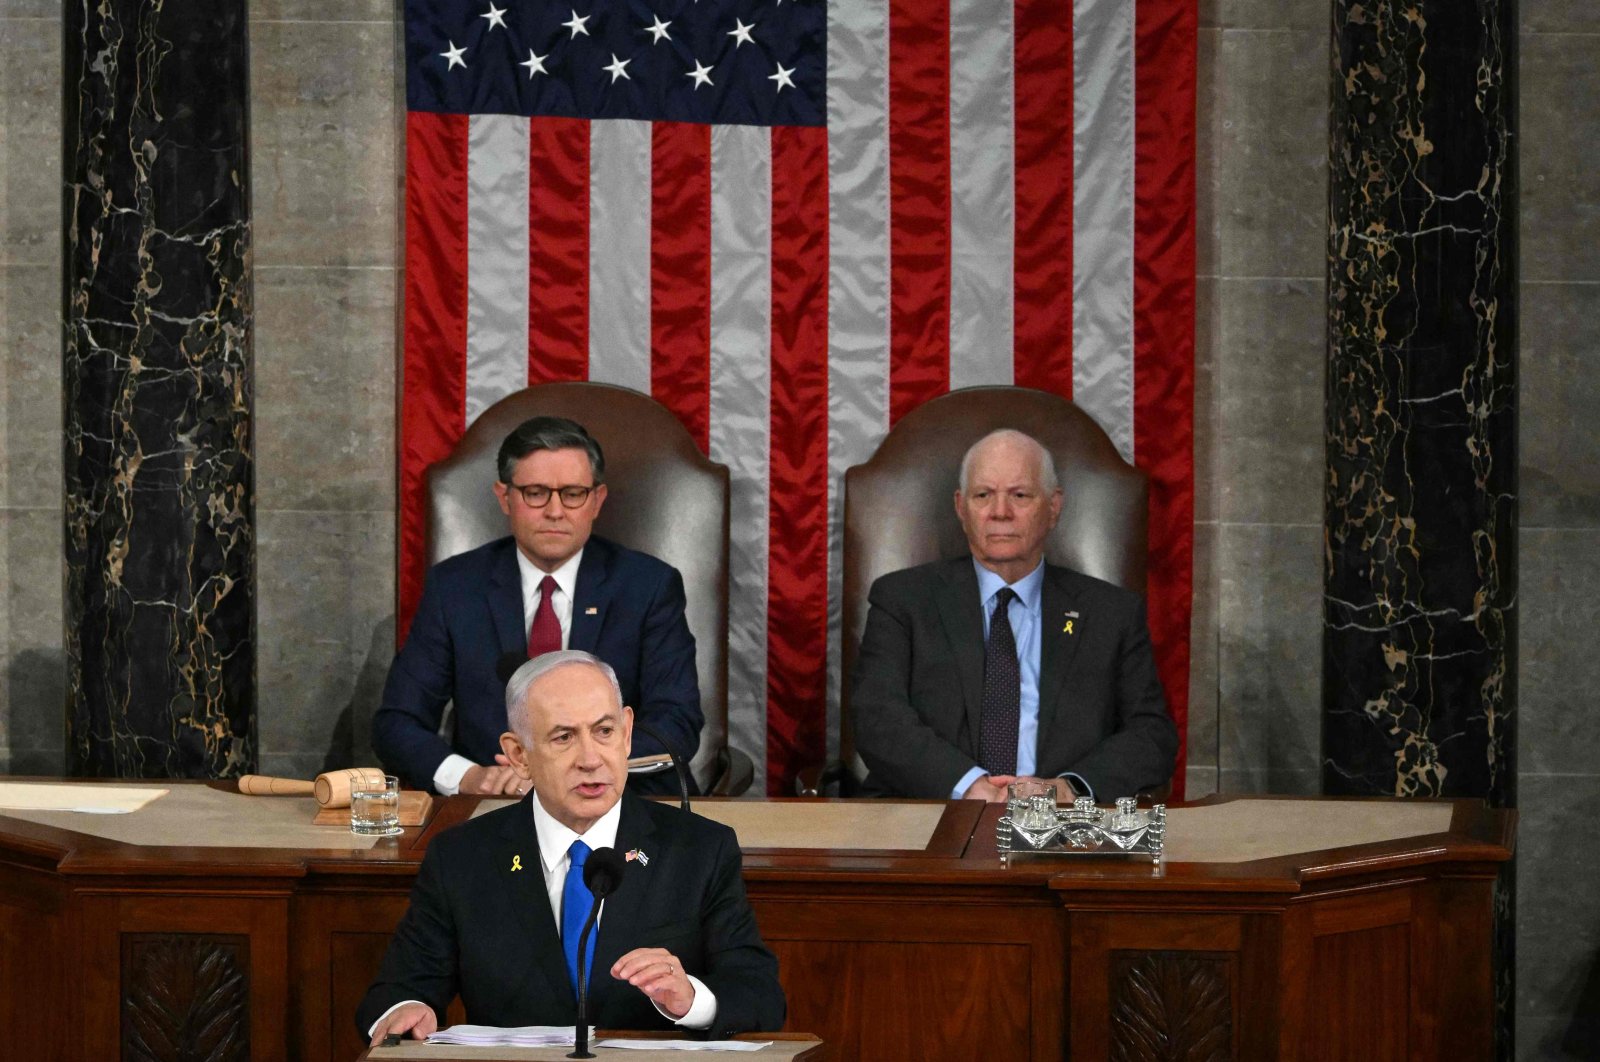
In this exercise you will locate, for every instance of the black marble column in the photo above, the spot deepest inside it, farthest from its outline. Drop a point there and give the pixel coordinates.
(160, 615)
(1420, 505)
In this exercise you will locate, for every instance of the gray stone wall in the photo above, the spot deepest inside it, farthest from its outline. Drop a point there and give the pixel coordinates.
(1558, 741)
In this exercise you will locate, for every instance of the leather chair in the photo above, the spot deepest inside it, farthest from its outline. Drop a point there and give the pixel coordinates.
(666, 499)
(898, 513)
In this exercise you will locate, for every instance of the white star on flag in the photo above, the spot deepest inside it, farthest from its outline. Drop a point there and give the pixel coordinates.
(496, 17)
(454, 56)
(741, 32)
(535, 63)
(701, 74)
(576, 25)
(659, 30)
(618, 68)
(782, 77)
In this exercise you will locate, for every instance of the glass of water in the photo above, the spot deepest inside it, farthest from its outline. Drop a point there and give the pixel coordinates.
(375, 806)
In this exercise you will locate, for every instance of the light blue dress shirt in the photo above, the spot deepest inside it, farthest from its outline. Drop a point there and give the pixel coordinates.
(1026, 616)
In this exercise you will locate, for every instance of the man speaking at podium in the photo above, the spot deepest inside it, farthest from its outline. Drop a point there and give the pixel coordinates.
(500, 900)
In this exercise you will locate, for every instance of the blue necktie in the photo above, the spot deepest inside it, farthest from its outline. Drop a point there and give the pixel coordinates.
(576, 900)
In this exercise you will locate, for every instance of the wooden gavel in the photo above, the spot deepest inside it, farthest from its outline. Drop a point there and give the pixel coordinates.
(332, 789)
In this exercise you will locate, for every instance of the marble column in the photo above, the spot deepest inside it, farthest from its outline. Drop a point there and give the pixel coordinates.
(1420, 502)
(160, 564)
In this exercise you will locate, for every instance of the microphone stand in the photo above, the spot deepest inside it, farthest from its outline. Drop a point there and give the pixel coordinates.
(580, 1047)
(677, 762)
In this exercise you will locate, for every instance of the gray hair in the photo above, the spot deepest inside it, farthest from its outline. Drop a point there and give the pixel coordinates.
(537, 668)
(1047, 464)
(549, 433)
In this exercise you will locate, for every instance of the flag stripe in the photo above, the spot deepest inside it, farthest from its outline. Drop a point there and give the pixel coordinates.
(558, 250)
(858, 276)
(797, 604)
(741, 391)
(619, 253)
(983, 182)
(1043, 240)
(431, 406)
(680, 267)
(1102, 225)
(497, 259)
(1164, 337)
(919, 203)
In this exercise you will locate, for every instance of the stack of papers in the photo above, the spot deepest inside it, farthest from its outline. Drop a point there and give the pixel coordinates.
(685, 1045)
(492, 1036)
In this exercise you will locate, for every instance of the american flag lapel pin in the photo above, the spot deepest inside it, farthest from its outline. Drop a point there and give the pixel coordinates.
(1067, 629)
(636, 854)
(591, 611)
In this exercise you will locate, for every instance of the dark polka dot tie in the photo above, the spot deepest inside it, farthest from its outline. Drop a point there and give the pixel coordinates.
(1001, 709)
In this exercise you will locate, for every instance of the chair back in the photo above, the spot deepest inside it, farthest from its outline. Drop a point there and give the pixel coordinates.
(665, 498)
(899, 510)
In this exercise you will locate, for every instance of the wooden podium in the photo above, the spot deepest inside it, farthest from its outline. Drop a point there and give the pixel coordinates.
(1275, 928)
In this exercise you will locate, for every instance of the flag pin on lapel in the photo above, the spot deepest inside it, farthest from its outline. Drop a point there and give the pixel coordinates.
(1068, 628)
(636, 854)
(591, 611)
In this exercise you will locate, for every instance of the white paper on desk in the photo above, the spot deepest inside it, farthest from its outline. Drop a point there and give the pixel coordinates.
(685, 1045)
(493, 1036)
(89, 799)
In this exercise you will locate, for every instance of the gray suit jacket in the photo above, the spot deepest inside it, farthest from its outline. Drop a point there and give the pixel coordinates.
(919, 679)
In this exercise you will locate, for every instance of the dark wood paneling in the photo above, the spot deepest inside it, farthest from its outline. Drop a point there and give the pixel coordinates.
(1360, 998)
(185, 996)
(1172, 1005)
(32, 969)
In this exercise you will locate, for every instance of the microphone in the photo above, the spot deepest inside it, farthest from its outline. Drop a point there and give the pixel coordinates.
(602, 873)
(677, 761)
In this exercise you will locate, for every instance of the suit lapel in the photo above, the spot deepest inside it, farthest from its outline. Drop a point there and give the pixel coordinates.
(620, 928)
(505, 601)
(962, 615)
(591, 595)
(519, 845)
(1056, 647)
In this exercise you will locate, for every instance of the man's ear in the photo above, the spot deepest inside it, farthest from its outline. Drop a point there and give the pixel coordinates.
(599, 498)
(517, 753)
(627, 730)
(503, 495)
(1055, 506)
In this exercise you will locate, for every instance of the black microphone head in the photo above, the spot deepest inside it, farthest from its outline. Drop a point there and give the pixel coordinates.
(507, 665)
(602, 872)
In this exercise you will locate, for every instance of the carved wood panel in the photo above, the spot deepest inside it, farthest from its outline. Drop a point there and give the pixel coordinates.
(1171, 1006)
(185, 997)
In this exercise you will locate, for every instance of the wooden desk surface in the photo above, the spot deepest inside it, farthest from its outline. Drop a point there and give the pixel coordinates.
(784, 1047)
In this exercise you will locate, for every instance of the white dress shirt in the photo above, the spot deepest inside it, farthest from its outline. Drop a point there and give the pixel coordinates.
(447, 777)
(554, 842)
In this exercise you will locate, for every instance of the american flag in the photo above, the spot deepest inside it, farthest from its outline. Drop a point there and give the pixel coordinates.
(792, 221)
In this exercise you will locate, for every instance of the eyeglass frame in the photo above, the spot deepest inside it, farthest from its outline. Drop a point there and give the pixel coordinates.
(522, 490)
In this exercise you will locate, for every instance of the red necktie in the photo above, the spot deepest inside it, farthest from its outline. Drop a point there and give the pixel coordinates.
(544, 636)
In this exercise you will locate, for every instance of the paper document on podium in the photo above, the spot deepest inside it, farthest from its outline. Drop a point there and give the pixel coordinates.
(90, 799)
(685, 1045)
(492, 1036)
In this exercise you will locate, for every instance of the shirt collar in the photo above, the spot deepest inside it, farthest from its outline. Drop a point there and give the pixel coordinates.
(555, 839)
(566, 576)
(1027, 589)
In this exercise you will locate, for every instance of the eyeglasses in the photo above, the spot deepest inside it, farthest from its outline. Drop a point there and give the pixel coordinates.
(537, 495)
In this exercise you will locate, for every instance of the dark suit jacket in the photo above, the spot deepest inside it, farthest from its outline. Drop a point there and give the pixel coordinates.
(919, 679)
(478, 928)
(471, 615)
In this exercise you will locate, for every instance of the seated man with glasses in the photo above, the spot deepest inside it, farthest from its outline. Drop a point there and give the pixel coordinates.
(549, 585)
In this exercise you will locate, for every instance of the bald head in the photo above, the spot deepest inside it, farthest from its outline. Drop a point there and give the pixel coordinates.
(1020, 444)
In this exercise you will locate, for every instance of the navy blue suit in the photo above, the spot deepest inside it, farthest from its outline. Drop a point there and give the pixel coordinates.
(627, 609)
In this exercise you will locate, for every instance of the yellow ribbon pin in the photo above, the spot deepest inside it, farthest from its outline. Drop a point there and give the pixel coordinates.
(516, 862)
(1068, 628)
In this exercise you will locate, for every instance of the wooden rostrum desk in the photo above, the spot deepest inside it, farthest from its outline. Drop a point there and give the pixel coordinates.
(1276, 928)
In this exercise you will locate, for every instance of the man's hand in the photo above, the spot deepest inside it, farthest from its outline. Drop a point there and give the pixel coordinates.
(1065, 794)
(498, 780)
(991, 787)
(415, 1018)
(659, 975)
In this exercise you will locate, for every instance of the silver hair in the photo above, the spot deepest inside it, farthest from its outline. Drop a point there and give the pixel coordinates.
(1047, 464)
(537, 668)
